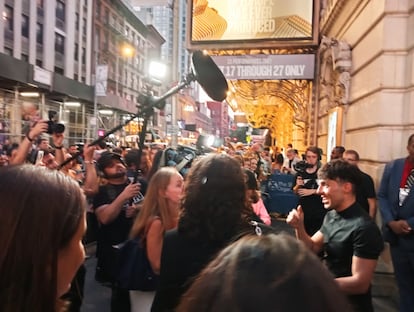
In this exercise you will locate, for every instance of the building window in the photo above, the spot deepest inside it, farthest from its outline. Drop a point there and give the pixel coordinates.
(60, 10)
(97, 38)
(98, 10)
(76, 52)
(40, 4)
(25, 58)
(25, 26)
(105, 41)
(39, 33)
(83, 56)
(84, 27)
(59, 70)
(59, 43)
(76, 21)
(8, 17)
(8, 51)
(106, 19)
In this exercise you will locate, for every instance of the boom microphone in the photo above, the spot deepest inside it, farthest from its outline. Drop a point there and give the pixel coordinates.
(209, 76)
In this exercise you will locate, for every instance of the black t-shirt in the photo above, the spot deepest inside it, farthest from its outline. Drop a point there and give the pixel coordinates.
(110, 234)
(118, 230)
(365, 190)
(349, 233)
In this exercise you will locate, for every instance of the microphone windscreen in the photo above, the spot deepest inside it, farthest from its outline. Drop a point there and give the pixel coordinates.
(209, 76)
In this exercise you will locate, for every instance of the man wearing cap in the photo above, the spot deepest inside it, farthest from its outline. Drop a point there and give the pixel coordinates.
(115, 210)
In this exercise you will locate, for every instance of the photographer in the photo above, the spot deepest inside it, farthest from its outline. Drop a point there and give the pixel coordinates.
(306, 187)
(27, 144)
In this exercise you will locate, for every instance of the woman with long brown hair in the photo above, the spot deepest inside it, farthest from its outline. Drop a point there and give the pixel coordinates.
(158, 214)
(41, 228)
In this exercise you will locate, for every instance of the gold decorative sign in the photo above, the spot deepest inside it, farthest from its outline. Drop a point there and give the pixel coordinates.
(252, 23)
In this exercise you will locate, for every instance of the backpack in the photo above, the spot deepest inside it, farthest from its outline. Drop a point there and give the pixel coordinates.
(134, 271)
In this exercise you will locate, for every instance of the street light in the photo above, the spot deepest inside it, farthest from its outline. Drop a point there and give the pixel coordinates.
(157, 70)
(127, 50)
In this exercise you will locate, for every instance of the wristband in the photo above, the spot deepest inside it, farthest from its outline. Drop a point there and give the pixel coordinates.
(58, 147)
(89, 161)
(28, 137)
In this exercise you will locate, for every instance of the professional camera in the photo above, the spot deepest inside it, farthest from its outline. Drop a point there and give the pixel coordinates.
(181, 158)
(53, 126)
(301, 166)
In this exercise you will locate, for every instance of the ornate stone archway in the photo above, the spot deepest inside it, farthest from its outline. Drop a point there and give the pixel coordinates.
(283, 106)
(280, 105)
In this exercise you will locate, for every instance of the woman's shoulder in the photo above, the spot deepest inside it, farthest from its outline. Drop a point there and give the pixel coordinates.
(154, 225)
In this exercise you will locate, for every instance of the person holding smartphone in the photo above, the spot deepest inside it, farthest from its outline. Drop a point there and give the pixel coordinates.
(306, 187)
(115, 214)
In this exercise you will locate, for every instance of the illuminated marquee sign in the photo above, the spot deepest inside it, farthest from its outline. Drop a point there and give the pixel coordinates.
(218, 24)
(267, 67)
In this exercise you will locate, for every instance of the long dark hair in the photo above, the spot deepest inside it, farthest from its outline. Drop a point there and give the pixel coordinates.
(215, 199)
(41, 210)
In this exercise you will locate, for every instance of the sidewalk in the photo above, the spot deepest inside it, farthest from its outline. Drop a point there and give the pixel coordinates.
(384, 288)
(384, 292)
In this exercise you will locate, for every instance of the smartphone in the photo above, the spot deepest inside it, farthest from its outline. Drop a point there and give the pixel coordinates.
(39, 157)
(97, 154)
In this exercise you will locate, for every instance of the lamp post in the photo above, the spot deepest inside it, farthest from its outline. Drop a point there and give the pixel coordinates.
(95, 100)
(157, 72)
(174, 74)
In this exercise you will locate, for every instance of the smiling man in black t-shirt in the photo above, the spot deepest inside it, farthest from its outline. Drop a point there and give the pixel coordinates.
(349, 239)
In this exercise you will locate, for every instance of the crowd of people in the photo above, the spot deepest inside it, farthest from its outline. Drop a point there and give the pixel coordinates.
(207, 233)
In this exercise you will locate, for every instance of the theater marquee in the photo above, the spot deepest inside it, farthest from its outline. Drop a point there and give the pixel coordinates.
(227, 24)
(267, 67)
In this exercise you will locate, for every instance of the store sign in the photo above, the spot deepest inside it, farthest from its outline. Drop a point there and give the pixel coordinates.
(267, 67)
(101, 80)
(42, 76)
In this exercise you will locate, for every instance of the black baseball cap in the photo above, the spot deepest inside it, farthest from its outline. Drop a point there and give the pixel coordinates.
(106, 159)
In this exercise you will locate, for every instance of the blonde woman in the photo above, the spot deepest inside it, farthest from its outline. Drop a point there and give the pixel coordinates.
(158, 214)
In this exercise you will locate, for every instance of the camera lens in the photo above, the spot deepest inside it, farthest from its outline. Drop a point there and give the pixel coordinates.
(59, 128)
(55, 127)
(50, 127)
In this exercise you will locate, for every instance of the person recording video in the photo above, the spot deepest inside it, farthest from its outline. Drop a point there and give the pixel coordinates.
(306, 186)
